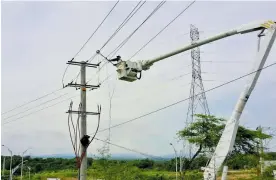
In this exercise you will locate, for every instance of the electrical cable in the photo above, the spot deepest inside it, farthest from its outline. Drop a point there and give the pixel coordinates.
(79, 159)
(128, 38)
(99, 119)
(39, 110)
(50, 105)
(132, 150)
(130, 15)
(89, 60)
(88, 40)
(225, 61)
(32, 101)
(96, 29)
(78, 128)
(162, 30)
(36, 106)
(183, 100)
(70, 133)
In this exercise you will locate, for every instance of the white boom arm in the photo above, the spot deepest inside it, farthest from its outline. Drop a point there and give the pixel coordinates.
(228, 137)
(128, 70)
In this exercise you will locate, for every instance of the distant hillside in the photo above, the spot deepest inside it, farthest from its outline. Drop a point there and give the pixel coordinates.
(113, 156)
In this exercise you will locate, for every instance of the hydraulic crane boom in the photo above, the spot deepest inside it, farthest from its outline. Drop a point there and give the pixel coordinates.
(228, 136)
(128, 70)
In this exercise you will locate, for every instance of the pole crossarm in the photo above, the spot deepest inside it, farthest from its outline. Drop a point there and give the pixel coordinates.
(80, 112)
(84, 63)
(76, 85)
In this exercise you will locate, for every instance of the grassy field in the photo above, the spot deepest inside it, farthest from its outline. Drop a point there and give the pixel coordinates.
(148, 174)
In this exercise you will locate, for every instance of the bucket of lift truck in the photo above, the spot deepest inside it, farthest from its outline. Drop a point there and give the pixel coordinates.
(127, 71)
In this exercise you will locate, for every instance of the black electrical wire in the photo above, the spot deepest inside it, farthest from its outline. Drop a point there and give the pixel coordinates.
(132, 150)
(162, 30)
(69, 126)
(88, 40)
(76, 131)
(35, 106)
(128, 38)
(32, 101)
(183, 100)
(96, 29)
(130, 15)
(48, 106)
(39, 110)
(99, 119)
(78, 128)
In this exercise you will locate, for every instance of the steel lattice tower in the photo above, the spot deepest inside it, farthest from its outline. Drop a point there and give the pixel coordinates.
(197, 94)
(198, 102)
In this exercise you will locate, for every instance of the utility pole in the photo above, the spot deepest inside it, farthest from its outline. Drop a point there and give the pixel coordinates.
(4, 165)
(23, 163)
(83, 126)
(261, 151)
(175, 161)
(29, 172)
(83, 130)
(10, 161)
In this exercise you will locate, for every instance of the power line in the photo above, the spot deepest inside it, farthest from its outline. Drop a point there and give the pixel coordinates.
(130, 15)
(178, 102)
(226, 61)
(127, 39)
(53, 104)
(36, 106)
(32, 101)
(162, 29)
(39, 110)
(133, 150)
(96, 29)
(89, 39)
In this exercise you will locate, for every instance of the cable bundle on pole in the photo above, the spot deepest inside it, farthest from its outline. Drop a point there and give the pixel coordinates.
(75, 138)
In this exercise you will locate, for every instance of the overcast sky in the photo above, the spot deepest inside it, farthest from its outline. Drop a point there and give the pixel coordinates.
(38, 38)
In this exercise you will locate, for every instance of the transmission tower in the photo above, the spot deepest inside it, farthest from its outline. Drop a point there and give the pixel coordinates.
(198, 102)
(197, 94)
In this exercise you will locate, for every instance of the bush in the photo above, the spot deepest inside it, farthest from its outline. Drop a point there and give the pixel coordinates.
(268, 172)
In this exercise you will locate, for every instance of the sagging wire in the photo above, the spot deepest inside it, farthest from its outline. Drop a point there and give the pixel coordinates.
(76, 131)
(75, 136)
(130, 15)
(111, 54)
(85, 139)
(88, 41)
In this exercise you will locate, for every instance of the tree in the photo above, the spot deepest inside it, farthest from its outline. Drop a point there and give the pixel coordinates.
(206, 131)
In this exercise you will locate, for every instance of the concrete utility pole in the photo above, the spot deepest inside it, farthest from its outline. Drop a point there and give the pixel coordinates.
(4, 165)
(29, 172)
(175, 160)
(83, 126)
(83, 130)
(10, 162)
(23, 163)
(261, 151)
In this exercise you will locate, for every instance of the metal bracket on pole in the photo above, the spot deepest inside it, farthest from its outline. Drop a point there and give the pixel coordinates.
(80, 112)
(83, 63)
(78, 86)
